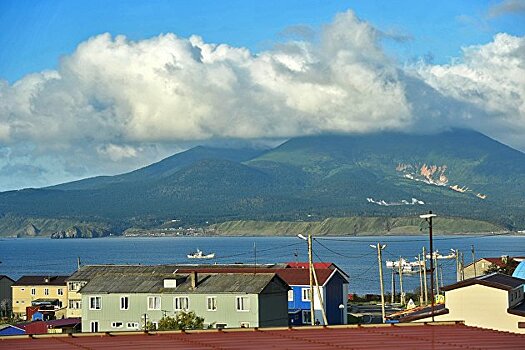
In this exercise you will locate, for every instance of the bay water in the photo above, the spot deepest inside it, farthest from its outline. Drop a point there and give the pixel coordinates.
(44, 256)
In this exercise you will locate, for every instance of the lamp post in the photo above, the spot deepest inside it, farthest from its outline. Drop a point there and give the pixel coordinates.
(428, 218)
(342, 308)
(379, 248)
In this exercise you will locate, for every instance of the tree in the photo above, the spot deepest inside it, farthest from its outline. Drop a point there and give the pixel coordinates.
(509, 265)
(182, 320)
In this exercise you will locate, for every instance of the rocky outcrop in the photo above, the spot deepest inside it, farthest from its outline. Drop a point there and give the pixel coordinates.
(81, 232)
(31, 231)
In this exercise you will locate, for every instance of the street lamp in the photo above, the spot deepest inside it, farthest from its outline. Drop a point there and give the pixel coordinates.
(379, 248)
(342, 308)
(428, 218)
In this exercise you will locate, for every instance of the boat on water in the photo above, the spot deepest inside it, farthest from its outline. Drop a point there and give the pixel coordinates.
(406, 266)
(200, 255)
(437, 255)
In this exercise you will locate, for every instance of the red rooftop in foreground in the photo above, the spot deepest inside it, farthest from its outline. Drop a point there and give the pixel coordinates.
(406, 336)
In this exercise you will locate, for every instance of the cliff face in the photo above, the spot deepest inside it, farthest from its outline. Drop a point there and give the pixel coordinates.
(82, 232)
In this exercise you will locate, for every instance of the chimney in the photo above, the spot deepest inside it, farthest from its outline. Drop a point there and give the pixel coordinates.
(194, 280)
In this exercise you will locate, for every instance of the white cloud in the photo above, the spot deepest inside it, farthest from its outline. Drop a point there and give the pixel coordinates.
(507, 7)
(489, 84)
(115, 104)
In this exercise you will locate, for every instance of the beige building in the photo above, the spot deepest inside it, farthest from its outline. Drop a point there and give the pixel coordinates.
(494, 301)
(38, 290)
(480, 267)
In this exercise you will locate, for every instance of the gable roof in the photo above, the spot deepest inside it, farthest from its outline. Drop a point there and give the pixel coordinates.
(154, 283)
(494, 280)
(292, 276)
(41, 281)
(6, 277)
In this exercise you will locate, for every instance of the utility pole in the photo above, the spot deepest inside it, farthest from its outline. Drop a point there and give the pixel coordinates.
(319, 294)
(474, 260)
(402, 294)
(311, 265)
(436, 267)
(462, 266)
(428, 217)
(420, 281)
(392, 297)
(380, 263)
(78, 263)
(425, 275)
(458, 271)
(255, 257)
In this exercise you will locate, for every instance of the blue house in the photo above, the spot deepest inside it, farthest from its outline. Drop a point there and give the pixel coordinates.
(333, 286)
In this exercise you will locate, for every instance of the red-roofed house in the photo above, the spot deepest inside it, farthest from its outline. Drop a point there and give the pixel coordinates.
(333, 286)
(480, 267)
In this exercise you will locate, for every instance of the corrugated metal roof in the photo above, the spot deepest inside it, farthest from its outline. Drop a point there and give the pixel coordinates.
(292, 276)
(408, 336)
(494, 280)
(154, 283)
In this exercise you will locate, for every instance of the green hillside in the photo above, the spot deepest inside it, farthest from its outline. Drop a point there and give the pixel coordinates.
(355, 226)
(457, 174)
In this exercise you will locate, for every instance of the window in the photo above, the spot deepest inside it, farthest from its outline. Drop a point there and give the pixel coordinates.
(181, 303)
(95, 303)
(307, 317)
(46, 291)
(94, 326)
(132, 325)
(154, 303)
(74, 286)
(242, 304)
(124, 303)
(290, 295)
(305, 294)
(60, 291)
(117, 324)
(211, 303)
(33, 291)
(75, 304)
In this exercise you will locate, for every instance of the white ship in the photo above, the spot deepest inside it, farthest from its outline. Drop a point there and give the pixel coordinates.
(406, 266)
(200, 255)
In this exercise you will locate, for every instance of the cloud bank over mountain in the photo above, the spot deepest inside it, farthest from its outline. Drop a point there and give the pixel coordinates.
(115, 104)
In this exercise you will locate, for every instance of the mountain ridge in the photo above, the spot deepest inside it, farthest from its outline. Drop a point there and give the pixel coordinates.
(457, 173)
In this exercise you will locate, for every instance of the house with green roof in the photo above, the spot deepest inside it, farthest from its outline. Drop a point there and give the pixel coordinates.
(126, 298)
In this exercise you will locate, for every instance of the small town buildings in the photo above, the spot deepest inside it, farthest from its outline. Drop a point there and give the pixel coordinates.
(45, 294)
(481, 266)
(494, 301)
(333, 288)
(5, 295)
(127, 297)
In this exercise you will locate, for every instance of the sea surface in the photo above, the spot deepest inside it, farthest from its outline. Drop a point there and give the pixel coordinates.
(44, 256)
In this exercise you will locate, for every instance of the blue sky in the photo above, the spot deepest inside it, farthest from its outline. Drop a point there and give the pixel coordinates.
(35, 34)
(104, 87)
